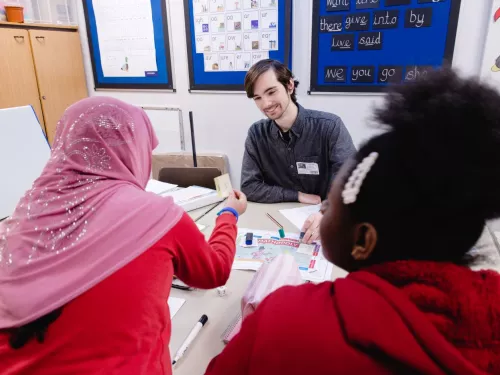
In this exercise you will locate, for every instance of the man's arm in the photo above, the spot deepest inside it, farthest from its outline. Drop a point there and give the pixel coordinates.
(252, 180)
(341, 146)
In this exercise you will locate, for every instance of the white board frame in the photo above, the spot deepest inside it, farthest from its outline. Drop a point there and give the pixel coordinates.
(157, 127)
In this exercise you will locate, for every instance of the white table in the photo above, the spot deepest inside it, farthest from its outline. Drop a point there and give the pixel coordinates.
(220, 310)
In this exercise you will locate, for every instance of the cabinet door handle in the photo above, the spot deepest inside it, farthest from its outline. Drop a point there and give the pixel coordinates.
(43, 97)
(39, 37)
(17, 37)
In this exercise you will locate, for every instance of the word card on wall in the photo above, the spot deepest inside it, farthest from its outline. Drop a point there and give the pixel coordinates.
(364, 45)
(226, 37)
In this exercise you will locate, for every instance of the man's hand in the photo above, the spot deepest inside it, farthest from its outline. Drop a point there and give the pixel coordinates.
(309, 198)
(311, 228)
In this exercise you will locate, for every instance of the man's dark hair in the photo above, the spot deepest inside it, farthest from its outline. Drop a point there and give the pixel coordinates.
(436, 180)
(283, 75)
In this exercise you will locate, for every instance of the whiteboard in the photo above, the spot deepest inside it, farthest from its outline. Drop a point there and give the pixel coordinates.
(168, 126)
(24, 151)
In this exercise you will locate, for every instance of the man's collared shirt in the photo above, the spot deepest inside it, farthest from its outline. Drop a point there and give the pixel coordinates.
(275, 170)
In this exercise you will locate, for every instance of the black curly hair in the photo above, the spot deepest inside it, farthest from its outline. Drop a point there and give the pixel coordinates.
(436, 179)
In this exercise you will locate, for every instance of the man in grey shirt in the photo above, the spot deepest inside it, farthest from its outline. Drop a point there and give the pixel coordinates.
(294, 154)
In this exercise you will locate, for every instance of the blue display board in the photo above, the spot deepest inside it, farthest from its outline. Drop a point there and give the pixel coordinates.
(226, 37)
(134, 25)
(365, 45)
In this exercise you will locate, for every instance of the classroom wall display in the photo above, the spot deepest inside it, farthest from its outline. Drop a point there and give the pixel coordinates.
(129, 44)
(226, 37)
(365, 45)
(491, 61)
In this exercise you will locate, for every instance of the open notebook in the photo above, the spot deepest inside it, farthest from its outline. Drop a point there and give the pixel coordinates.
(232, 329)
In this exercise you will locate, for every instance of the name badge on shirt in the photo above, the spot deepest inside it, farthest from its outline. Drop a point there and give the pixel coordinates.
(308, 168)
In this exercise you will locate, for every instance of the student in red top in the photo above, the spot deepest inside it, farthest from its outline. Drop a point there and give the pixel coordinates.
(87, 258)
(402, 218)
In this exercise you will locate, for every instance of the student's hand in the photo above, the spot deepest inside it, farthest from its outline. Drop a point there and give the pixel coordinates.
(309, 198)
(311, 228)
(238, 201)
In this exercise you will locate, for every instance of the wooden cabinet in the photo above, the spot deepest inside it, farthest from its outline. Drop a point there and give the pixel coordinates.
(43, 68)
(18, 85)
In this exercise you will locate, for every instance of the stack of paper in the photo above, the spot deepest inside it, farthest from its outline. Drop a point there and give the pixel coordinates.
(183, 195)
(159, 187)
(193, 197)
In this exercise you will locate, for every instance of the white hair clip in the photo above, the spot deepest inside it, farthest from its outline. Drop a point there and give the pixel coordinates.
(351, 188)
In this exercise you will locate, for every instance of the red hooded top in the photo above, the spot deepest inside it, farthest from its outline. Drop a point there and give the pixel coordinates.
(397, 318)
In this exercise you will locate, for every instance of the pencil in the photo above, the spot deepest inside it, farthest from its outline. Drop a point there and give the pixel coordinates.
(274, 220)
(281, 230)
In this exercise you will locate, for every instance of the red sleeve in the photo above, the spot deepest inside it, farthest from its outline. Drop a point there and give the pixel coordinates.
(199, 263)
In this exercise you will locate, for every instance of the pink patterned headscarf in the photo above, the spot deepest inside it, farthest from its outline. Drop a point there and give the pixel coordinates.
(87, 215)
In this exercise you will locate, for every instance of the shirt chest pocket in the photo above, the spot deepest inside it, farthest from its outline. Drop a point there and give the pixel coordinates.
(308, 166)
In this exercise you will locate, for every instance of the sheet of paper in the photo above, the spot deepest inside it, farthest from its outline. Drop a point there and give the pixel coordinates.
(158, 187)
(200, 6)
(306, 249)
(269, 19)
(269, 40)
(202, 25)
(266, 246)
(192, 192)
(126, 38)
(175, 304)
(201, 227)
(233, 22)
(297, 216)
(234, 42)
(218, 43)
(211, 62)
(258, 56)
(243, 61)
(251, 41)
(203, 43)
(223, 185)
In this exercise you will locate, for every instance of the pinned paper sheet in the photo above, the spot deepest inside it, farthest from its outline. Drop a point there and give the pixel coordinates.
(201, 227)
(223, 185)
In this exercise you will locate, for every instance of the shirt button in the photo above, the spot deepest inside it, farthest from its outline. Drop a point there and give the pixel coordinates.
(291, 166)
(289, 149)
